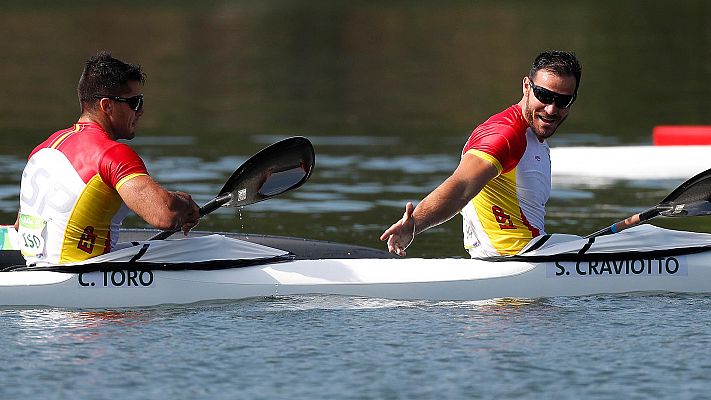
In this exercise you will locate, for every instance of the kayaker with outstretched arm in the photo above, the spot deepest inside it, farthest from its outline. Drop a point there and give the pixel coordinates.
(503, 180)
(80, 183)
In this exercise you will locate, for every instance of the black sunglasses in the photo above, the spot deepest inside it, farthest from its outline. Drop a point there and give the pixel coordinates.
(546, 96)
(135, 102)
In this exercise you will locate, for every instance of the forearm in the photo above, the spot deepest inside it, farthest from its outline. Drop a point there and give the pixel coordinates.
(440, 206)
(160, 208)
(173, 215)
(449, 198)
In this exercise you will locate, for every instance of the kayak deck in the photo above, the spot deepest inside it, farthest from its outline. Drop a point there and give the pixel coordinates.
(640, 259)
(299, 248)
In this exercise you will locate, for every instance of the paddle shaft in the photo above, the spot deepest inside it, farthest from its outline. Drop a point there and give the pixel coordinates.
(627, 223)
(691, 198)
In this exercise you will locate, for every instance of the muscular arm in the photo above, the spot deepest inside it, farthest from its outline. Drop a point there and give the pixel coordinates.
(450, 197)
(157, 206)
(443, 203)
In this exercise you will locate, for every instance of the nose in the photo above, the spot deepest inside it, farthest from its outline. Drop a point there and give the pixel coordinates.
(551, 109)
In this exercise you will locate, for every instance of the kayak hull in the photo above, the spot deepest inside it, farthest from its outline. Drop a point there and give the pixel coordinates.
(423, 279)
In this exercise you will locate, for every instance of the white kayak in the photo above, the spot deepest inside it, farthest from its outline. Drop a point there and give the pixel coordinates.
(640, 259)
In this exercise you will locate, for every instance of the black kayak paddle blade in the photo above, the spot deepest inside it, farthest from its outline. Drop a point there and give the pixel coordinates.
(276, 169)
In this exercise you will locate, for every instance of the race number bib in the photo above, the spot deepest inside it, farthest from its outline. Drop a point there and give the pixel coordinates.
(31, 232)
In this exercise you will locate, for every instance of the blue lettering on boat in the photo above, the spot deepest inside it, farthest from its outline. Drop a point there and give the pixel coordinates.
(115, 279)
(655, 266)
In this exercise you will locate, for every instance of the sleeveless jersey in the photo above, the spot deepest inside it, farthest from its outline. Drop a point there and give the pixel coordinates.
(509, 211)
(70, 209)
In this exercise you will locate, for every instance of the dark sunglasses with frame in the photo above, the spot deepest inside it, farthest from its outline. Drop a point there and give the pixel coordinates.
(546, 96)
(135, 102)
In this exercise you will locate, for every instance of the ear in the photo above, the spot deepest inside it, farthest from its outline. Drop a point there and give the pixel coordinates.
(525, 85)
(106, 105)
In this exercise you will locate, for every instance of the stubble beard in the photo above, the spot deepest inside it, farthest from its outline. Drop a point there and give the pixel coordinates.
(530, 117)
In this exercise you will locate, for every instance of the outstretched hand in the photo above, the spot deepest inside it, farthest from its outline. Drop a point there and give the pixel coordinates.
(401, 233)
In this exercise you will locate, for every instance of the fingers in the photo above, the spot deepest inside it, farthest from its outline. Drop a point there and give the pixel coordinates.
(390, 231)
(190, 215)
(188, 226)
(395, 246)
(398, 226)
(191, 220)
(409, 209)
(400, 234)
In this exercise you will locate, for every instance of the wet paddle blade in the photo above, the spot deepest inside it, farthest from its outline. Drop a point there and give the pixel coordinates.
(283, 166)
(695, 189)
(693, 209)
(276, 169)
(692, 198)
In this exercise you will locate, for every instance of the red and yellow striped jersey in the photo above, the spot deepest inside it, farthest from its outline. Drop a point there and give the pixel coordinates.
(509, 211)
(70, 184)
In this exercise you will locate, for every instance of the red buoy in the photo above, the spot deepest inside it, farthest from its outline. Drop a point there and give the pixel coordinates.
(681, 135)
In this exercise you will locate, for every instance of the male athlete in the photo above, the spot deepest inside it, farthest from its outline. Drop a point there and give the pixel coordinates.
(503, 180)
(81, 183)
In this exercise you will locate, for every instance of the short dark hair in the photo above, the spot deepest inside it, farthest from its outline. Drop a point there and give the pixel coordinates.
(104, 75)
(561, 63)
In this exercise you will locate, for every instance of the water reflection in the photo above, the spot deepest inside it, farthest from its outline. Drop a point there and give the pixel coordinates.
(405, 70)
(40, 327)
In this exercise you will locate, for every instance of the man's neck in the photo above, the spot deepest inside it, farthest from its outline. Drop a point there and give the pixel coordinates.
(87, 117)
